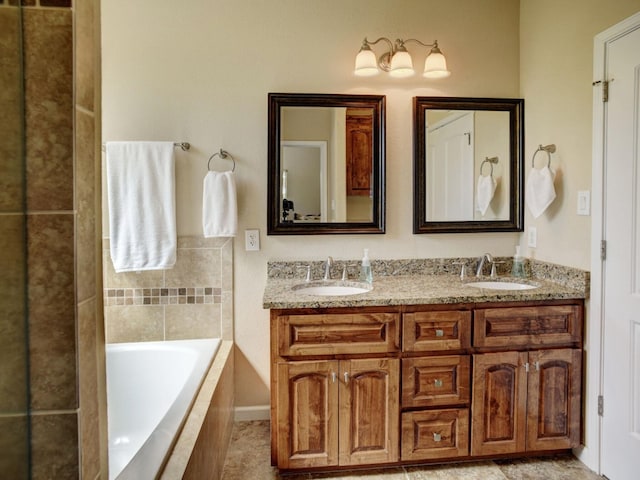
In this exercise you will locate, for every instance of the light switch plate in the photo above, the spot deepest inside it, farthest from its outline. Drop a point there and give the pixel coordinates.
(584, 202)
(252, 240)
(532, 238)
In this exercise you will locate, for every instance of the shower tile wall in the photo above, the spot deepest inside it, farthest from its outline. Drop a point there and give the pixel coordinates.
(191, 300)
(66, 357)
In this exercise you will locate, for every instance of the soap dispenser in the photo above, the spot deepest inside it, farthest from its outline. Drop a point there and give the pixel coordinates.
(517, 269)
(365, 268)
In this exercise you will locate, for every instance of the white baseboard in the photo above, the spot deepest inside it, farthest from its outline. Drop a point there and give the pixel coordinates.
(255, 412)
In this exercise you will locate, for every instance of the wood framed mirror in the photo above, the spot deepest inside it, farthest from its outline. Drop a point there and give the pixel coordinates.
(326, 164)
(468, 165)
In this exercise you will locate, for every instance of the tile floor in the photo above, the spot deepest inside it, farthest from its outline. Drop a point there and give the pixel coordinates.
(248, 458)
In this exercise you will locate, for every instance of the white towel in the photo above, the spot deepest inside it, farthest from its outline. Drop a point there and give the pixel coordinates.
(485, 189)
(219, 208)
(141, 196)
(540, 191)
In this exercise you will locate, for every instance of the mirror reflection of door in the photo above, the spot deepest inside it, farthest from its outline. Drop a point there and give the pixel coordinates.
(450, 166)
(304, 180)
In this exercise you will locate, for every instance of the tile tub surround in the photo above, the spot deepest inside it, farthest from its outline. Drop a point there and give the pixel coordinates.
(192, 300)
(420, 281)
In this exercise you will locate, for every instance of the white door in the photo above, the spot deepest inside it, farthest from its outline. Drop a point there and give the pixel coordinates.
(450, 170)
(621, 268)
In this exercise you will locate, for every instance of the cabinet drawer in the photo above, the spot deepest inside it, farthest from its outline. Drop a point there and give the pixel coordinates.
(435, 381)
(329, 334)
(436, 331)
(435, 434)
(533, 326)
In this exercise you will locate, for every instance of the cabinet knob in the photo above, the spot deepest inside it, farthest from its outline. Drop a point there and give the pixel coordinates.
(439, 332)
(346, 377)
(437, 437)
(333, 377)
(437, 382)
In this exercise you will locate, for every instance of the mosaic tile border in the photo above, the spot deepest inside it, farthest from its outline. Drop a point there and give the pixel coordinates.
(162, 296)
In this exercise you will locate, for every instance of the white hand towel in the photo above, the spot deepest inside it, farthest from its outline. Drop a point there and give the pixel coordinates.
(540, 191)
(141, 197)
(219, 208)
(485, 189)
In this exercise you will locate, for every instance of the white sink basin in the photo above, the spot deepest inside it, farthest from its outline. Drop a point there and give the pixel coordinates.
(332, 289)
(501, 285)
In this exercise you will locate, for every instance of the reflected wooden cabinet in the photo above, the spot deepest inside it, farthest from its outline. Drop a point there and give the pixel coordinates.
(359, 155)
(526, 401)
(409, 384)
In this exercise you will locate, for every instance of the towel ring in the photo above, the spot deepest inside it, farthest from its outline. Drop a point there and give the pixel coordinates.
(222, 154)
(551, 148)
(491, 161)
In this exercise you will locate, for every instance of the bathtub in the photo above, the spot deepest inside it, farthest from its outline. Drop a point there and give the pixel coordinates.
(150, 389)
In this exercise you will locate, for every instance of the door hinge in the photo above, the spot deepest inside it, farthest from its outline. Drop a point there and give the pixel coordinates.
(605, 89)
(603, 250)
(600, 405)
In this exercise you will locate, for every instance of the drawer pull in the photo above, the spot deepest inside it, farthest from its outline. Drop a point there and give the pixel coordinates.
(437, 437)
(526, 367)
(437, 382)
(346, 377)
(537, 365)
(439, 332)
(333, 377)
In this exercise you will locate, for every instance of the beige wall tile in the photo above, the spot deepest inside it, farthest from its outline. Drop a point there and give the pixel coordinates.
(85, 53)
(226, 309)
(85, 201)
(150, 278)
(54, 446)
(48, 53)
(89, 376)
(195, 268)
(14, 444)
(52, 329)
(201, 242)
(134, 323)
(11, 191)
(192, 321)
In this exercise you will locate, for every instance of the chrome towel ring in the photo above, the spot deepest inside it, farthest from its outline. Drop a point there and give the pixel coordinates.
(551, 148)
(224, 155)
(491, 161)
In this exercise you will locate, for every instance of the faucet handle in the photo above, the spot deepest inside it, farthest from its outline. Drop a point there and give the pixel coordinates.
(463, 269)
(494, 273)
(308, 275)
(345, 272)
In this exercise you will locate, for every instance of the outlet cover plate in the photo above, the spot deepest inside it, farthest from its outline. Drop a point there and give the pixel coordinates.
(252, 240)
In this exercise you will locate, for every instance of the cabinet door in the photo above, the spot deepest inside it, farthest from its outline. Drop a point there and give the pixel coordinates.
(553, 406)
(359, 141)
(369, 411)
(307, 414)
(498, 403)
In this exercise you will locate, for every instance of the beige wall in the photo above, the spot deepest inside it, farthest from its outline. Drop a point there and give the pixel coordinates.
(556, 65)
(202, 74)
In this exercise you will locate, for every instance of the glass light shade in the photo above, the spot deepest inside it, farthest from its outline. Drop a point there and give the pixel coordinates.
(366, 63)
(435, 66)
(401, 65)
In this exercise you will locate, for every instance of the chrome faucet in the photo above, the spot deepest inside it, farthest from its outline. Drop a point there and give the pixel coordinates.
(486, 256)
(327, 268)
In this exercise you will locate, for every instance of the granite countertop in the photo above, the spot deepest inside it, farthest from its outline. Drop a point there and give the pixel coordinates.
(410, 284)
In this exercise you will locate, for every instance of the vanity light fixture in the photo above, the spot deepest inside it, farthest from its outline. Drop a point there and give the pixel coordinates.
(397, 61)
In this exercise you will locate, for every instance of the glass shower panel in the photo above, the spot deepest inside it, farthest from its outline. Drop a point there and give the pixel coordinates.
(14, 373)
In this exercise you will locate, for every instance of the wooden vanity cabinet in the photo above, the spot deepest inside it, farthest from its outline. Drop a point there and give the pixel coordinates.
(527, 399)
(337, 388)
(359, 151)
(427, 383)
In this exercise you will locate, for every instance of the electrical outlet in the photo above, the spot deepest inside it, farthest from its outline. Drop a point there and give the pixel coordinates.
(532, 238)
(251, 240)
